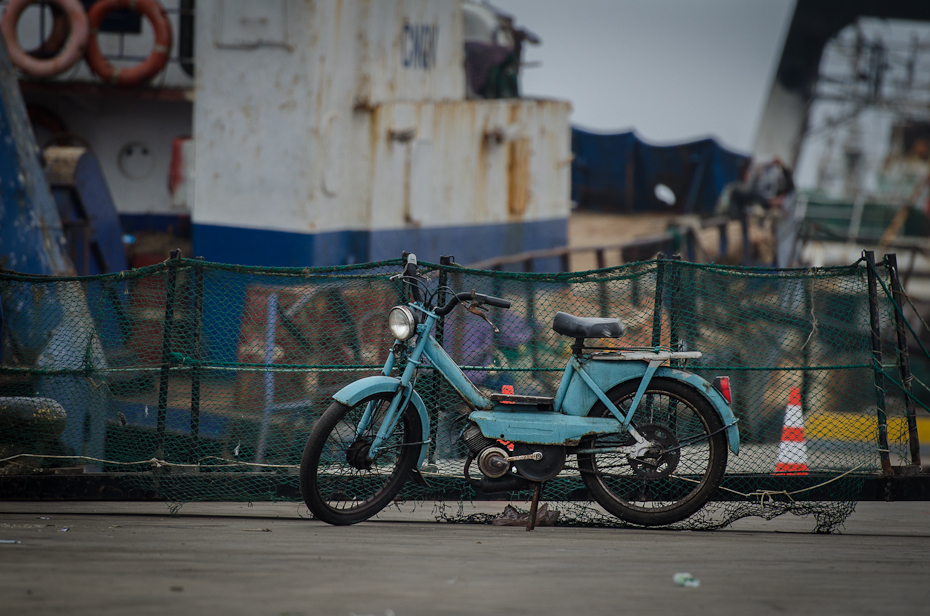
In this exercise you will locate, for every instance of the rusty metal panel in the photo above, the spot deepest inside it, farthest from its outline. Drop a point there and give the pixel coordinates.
(491, 162)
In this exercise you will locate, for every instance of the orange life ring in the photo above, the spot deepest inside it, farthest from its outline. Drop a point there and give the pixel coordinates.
(46, 67)
(146, 69)
(57, 36)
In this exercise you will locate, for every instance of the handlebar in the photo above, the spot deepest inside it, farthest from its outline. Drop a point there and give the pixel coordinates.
(411, 271)
(490, 300)
(481, 298)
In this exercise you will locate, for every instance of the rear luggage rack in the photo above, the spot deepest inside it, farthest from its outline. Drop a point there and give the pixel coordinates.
(544, 403)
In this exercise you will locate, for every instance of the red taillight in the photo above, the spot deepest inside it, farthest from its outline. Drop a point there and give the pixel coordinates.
(507, 390)
(722, 384)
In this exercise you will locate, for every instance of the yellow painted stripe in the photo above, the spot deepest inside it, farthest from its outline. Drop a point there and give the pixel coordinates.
(848, 427)
(923, 429)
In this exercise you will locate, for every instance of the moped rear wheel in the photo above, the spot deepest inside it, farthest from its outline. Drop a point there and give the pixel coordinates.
(677, 476)
(340, 482)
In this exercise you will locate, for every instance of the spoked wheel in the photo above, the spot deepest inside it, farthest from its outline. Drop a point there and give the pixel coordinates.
(674, 477)
(340, 481)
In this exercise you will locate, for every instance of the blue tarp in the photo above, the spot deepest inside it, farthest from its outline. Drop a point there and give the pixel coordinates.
(619, 173)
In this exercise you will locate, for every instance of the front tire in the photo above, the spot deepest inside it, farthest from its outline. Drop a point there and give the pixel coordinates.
(339, 482)
(672, 482)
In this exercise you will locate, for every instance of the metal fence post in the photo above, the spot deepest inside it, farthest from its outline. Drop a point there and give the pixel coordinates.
(531, 318)
(603, 299)
(440, 334)
(875, 328)
(197, 353)
(167, 332)
(904, 364)
(674, 303)
(806, 353)
(660, 293)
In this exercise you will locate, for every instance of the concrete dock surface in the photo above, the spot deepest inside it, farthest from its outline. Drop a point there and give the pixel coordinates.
(236, 558)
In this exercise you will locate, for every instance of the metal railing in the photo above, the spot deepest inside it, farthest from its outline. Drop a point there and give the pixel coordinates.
(679, 237)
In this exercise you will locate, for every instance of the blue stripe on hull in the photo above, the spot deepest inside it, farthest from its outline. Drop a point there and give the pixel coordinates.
(277, 248)
(468, 243)
(177, 224)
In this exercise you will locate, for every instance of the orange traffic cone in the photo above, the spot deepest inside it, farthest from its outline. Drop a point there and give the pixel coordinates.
(792, 452)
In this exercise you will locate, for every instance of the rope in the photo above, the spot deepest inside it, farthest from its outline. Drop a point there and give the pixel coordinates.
(898, 309)
(634, 270)
(914, 308)
(189, 364)
(160, 268)
(155, 462)
(904, 389)
(768, 494)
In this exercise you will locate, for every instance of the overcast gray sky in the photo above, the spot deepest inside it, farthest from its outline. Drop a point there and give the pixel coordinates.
(673, 70)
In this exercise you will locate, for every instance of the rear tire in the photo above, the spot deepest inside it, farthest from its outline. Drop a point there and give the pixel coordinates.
(675, 483)
(338, 481)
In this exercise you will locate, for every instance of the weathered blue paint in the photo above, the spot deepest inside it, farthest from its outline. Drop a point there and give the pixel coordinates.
(32, 241)
(450, 370)
(389, 364)
(640, 391)
(227, 244)
(391, 417)
(177, 224)
(579, 397)
(542, 428)
(31, 237)
(563, 386)
(353, 393)
(592, 386)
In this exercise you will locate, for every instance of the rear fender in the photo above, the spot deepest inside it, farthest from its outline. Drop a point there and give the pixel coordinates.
(353, 393)
(608, 374)
(713, 396)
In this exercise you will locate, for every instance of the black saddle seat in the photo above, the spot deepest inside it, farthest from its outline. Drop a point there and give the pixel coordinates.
(584, 327)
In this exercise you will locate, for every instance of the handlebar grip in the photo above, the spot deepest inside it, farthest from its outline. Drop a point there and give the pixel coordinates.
(411, 270)
(490, 300)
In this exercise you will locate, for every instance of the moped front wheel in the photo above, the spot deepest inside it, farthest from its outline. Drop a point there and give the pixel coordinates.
(341, 482)
(680, 471)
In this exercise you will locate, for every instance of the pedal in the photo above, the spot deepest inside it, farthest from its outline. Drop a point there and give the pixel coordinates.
(418, 478)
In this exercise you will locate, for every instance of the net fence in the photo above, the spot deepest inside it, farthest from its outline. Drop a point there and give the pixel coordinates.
(201, 381)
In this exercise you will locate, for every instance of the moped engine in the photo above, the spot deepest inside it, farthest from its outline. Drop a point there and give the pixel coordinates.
(491, 456)
(476, 441)
(511, 468)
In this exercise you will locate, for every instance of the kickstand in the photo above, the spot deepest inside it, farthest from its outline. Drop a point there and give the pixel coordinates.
(531, 521)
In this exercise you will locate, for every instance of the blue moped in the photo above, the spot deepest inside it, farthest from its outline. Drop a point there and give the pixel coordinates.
(650, 440)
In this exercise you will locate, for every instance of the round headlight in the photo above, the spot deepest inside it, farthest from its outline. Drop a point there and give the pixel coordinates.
(402, 322)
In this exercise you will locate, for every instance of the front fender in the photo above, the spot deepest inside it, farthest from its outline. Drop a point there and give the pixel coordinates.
(353, 393)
